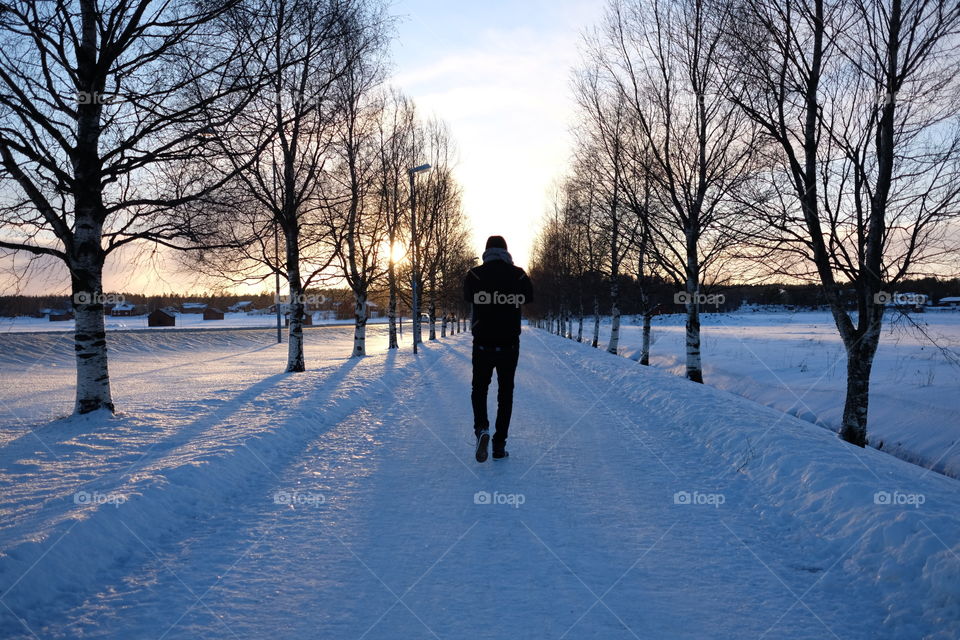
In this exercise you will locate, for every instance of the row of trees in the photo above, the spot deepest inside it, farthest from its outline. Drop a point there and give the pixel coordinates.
(255, 134)
(729, 140)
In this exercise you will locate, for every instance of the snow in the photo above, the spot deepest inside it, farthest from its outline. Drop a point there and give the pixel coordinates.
(795, 362)
(228, 500)
(231, 320)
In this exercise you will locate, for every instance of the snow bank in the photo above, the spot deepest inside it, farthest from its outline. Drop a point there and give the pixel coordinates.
(794, 362)
(894, 523)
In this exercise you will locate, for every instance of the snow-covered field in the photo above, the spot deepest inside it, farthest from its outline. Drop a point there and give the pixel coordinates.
(184, 321)
(795, 362)
(228, 500)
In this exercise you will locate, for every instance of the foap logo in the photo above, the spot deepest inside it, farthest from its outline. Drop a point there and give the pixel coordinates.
(511, 499)
(899, 499)
(695, 497)
(306, 299)
(486, 297)
(96, 97)
(900, 299)
(98, 297)
(298, 498)
(86, 497)
(697, 298)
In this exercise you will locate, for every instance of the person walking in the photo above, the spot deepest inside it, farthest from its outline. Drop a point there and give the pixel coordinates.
(495, 290)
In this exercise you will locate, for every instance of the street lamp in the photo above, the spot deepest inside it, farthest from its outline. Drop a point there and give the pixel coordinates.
(276, 253)
(413, 238)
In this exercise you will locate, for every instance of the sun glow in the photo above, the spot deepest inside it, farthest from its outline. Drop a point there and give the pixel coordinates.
(397, 252)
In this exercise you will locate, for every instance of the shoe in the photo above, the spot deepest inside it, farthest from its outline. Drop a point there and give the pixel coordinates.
(483, 439)
(500, 452)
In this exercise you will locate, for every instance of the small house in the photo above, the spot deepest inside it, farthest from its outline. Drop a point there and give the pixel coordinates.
(123, 309)
(193, 307)
(60, 315)
(162, 318)
(241, 307)
(952, 302)
(212, 313)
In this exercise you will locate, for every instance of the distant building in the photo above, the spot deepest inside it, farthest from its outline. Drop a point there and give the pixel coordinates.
(162, 318)
(58, 315)
(123, 309)
(212, 313)
(952, 302)
(241, 307)
(193, 307)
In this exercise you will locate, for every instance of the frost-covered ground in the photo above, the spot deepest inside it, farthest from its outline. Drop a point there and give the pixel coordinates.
(228, 500)
(795, 362)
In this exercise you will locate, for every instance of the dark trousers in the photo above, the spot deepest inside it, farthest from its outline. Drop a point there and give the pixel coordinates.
(485, 360)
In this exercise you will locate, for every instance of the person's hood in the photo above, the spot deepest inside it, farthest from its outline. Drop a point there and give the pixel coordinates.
(497, 254)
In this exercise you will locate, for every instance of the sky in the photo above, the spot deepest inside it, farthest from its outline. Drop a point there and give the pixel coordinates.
(498, 72)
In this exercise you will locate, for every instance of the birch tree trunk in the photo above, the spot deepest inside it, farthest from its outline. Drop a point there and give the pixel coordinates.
(614, 344)
(86, 255)
(360, 324)
(433, 313)
(90, 339)
(861, 344)
(580, 323)
(295, 361)
(645, 349)
(693, 366)
(693, 363)
(596, 323)
(856, 403)
(392, 305)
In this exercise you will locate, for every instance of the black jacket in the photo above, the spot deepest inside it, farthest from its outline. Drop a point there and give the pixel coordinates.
(496, 289)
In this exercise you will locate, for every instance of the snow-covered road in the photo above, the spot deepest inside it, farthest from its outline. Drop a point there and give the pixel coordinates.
(349, 506)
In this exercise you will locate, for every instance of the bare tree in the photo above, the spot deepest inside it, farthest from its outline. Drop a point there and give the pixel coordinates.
(100, 109)
(356, 219)
(604, 135)
(395, 142)
(308, 46)
(859, 101)
(550, 262)
(691, 141)
(440, 222)
(638, 195)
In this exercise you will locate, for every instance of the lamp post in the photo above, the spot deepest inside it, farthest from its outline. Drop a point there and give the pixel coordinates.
(415, 300)
(276, 273)
(276, 253)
